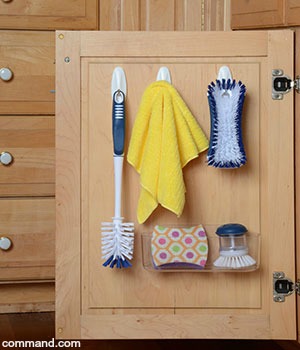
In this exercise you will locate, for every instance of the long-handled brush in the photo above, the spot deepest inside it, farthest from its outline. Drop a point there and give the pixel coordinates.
(117, 237)
(226, 99)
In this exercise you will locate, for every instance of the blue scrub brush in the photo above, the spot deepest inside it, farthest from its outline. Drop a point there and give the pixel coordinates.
(226, 99)
(117, 236)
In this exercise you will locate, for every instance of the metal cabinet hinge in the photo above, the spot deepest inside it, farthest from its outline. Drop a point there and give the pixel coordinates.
(283, 287)
(282, 84)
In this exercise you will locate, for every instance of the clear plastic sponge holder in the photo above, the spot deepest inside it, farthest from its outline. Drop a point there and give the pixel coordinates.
(246, 244)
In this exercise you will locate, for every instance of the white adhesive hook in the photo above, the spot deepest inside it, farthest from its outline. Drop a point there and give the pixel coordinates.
(164, 74)
(225, 73)
(118, 81)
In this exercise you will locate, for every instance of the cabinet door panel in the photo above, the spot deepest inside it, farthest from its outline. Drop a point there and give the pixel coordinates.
(107, 303)
(44, 14)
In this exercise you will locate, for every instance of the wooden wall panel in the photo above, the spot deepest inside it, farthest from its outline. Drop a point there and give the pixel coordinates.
(216, 15)
(158, 15)
(189, 15)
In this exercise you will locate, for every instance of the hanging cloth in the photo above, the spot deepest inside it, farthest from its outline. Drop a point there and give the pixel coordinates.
(165, 137)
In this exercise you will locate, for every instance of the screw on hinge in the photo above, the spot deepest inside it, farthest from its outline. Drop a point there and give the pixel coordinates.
(279, 298)
(278, 274)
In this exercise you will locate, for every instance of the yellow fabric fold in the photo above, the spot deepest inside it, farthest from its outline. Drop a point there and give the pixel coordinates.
(165, 137)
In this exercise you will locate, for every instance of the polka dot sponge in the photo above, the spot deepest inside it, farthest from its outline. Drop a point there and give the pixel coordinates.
(179, 246)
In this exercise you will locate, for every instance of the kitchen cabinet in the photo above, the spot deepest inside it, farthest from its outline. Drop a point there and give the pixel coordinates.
(94, 302)
(49, 15)
(264, 14)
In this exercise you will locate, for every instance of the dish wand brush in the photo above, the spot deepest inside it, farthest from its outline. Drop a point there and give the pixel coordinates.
(117, 236)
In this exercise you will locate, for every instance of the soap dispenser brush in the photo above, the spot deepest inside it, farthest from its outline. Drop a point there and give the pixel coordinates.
(233, 247)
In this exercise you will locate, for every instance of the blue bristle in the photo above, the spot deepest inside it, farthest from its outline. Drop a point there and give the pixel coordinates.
(118, 262)
(108, 261)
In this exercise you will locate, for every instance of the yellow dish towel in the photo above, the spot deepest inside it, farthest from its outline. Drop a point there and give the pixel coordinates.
(165, 137)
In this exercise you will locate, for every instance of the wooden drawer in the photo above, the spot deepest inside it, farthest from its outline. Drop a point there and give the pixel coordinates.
(30, 225)
(257, 14)
(30, 57)
(45, 14)
(31, 141)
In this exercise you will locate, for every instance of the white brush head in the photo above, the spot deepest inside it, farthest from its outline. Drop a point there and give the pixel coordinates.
(117, 239)
(234, 262)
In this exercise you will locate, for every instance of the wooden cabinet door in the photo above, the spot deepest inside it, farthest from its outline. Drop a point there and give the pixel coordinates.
(257, 14)
(49, 15)
(100, 303)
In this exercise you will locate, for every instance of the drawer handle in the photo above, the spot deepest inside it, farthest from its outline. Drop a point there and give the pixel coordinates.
(6, 158)
(6, 0)
(5, 73)
(5, 243)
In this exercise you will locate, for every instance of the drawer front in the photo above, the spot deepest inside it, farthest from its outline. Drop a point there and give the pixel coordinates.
(45, 14)
(30, 140)
(29, 224)
(27, 72)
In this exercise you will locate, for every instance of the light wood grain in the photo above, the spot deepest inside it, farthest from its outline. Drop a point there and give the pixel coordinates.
(16, 274)
(257, 14)
(167, 15)
(30, 56)
(297, 166)
(68, 186)
(30, 140)
(281, 184)
(214, 12)
(158, 15)
(122, 44)
(188, 15)
(27, 297)
(175, 327)
(292, 13)
(30, 225)
(221, 305)
(43, 14)
(23, 190)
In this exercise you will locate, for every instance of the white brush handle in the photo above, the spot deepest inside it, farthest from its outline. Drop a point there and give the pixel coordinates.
(118, 170)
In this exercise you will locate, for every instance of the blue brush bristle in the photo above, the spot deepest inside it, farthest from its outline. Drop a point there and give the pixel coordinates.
(118, 262)
(220, 154)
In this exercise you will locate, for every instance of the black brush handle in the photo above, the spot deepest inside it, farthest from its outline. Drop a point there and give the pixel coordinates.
(118, 122)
